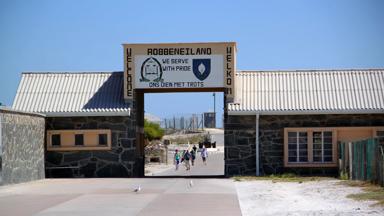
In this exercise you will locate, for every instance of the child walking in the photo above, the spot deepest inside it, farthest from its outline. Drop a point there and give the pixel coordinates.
(176, 159)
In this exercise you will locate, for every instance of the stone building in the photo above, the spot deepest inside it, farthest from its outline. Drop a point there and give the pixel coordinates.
(280, 120)
(90, 131)
(296, 118)
(21, 146)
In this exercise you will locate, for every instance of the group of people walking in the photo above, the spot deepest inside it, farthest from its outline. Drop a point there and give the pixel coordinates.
(188, 157)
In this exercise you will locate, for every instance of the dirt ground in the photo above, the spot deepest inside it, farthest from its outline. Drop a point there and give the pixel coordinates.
(325, 197)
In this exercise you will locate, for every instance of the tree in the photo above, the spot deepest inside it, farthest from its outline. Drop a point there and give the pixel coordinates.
(152, 131)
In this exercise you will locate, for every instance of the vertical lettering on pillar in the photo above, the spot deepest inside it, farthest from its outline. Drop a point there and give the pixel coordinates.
(229, 73)
(129, 80)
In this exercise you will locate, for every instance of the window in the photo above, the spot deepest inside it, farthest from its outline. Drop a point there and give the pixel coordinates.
(79, 139)
(55, 139)
(322, 146)
(317, 147)
(297, 147)
(380, 136)
(309, 147)
(103, 139)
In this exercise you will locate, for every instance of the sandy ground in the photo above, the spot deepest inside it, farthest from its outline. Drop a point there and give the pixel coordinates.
(325, 197)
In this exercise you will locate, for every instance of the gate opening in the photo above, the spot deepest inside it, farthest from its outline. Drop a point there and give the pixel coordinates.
(183, 134)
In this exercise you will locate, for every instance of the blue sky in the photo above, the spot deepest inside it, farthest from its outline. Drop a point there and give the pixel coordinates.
(87, 35)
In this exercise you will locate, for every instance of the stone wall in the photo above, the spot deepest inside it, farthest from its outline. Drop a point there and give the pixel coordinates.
(239, 144)
(117, 162)
(240, 139)
(22, 142)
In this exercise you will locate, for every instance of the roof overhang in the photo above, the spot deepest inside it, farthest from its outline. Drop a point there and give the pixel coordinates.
(85, 114)
(306, 112)
(11, 110)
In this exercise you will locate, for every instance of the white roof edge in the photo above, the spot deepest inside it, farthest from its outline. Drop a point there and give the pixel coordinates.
(11, 110)
(84, 114)
(312, 70)
(71, 72)
(307, 112)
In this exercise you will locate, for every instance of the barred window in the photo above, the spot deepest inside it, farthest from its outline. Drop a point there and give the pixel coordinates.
(79, 139)
(55, 139)
(322, 146)
(309, 147)
(75, 140)
(103, 139)
(297, 147)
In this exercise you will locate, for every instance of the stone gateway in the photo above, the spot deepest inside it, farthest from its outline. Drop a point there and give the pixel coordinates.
(274, 121)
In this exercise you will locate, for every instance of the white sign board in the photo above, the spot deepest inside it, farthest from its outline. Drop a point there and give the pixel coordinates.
(176, 66)
(179, 71)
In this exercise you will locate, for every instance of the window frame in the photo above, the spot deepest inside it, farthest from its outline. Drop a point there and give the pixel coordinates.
(310, 162)
(322, 149)
(77, 134)
(98, 136)
(338, 134)
(297, 145)
(90, 140)
(55, 134)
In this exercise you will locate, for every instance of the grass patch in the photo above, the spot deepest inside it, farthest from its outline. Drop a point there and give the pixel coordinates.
(370, 192)
(286, 177)
(343, 176)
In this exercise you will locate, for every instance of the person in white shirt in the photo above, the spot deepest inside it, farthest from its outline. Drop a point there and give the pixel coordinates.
(204, 155)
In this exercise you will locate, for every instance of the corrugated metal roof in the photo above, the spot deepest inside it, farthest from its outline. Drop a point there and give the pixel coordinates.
(309, 91)
(72, 94)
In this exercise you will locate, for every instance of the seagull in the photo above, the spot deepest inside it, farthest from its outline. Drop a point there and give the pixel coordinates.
(191, 184)
(137, 190)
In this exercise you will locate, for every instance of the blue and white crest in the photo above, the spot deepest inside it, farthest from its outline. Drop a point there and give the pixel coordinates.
(201, 68)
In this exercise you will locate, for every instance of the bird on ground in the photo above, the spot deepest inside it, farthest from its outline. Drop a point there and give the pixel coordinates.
(191, 183)
(137, 190)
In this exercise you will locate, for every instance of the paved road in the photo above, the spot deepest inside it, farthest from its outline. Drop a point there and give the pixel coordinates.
(218, 136)
(215, 166)
(215, 161)
(115, 197)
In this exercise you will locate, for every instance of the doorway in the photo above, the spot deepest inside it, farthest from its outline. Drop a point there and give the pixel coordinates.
(190, 122)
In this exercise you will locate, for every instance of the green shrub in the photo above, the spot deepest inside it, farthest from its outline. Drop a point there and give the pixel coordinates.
(152, 131)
